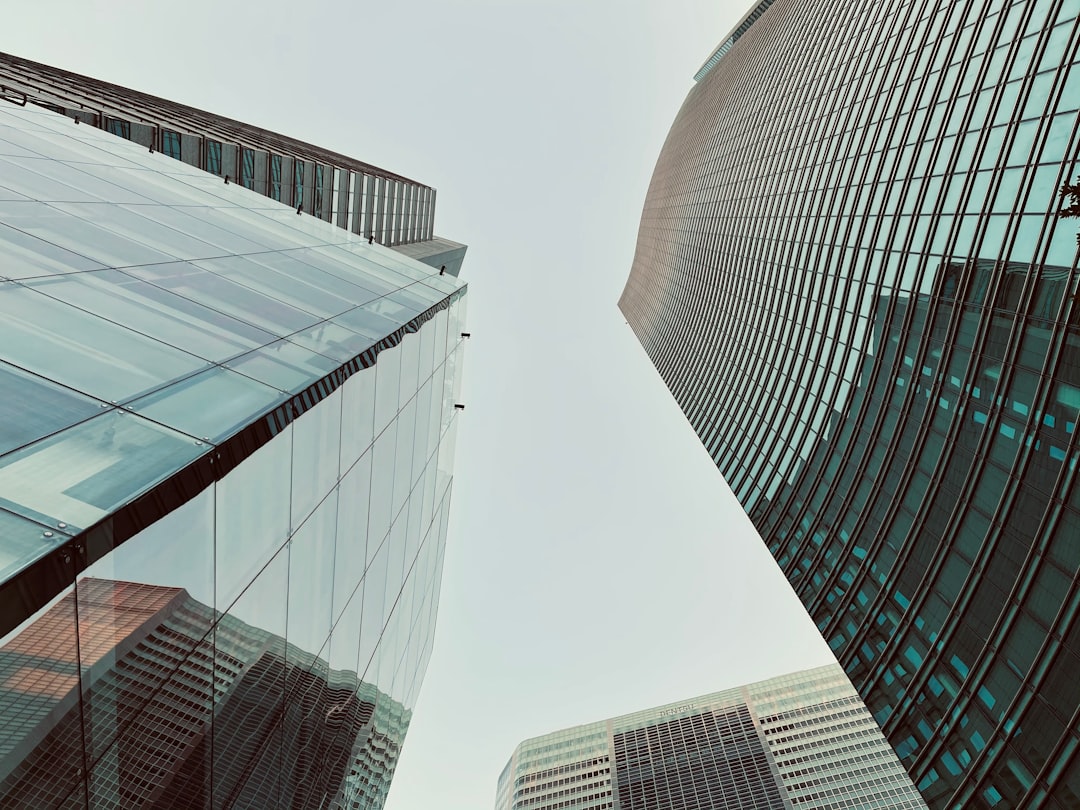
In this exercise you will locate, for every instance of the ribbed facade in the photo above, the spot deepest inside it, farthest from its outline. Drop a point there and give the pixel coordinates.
(851, 276)
(803, 741)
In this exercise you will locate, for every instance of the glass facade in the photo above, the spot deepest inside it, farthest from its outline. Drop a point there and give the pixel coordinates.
(851, 275)
(245, 154)
(225, 476)
(803, 740)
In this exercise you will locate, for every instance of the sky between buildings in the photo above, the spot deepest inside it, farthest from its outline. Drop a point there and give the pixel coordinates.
(597, 563)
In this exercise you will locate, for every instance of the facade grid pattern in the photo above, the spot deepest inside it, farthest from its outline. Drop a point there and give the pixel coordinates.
(851, 276)
(802, 741)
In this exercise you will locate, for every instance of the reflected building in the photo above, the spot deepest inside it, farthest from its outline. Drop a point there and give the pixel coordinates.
(225, 476)
(177, 670)
(803, 740)
(850, 275)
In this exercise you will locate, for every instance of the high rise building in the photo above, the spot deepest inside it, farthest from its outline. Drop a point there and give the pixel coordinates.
(851, 275)
(803, 740)
(225, 475)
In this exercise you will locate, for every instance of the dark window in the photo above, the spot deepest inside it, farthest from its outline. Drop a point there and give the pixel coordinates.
(213, 157)
(318, 191)
(248, 169)
(170, 143)
(119, 127)
(298, 183)
(275, 177)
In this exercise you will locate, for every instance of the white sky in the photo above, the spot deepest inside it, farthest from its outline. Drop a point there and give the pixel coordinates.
(597, 563)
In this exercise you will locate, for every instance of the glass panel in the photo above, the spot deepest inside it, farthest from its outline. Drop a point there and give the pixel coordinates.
(155, 312)
(427, 351)
(284, 365)
(382, 483)
(26, 256)
(219, 293)
(252, 516)
(248, 758)
(82, 351)
(387, 376)
(353, 262)
(332, 340)
(410, 364)
(357, 415)
(224, 223)
(365, 322)
(352, 533)
(214, 228)
(35, 178)
(282, 286)
(145, 619)
(32, 408)
(311, 572)
(22, 541)
(211, 405)
(80, 475)
(308, 267)
(316, 438)
(345, 642)
(140, 227)
(373, 617)
(421, 448)
(403, 455)
(41, 743)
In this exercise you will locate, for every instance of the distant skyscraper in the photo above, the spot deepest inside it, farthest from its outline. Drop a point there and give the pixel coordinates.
(225, 471)
(852, 278)
(803, 740)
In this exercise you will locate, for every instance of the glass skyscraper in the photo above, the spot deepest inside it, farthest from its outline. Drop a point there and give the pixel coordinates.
(803, 740)
(225, 475)
(851, 275)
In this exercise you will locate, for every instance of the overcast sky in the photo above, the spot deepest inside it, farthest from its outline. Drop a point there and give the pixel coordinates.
(597, 563)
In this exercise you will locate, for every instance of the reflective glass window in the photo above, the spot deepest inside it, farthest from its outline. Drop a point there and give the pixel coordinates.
(170, 143)
(213, 157)
(253, 506)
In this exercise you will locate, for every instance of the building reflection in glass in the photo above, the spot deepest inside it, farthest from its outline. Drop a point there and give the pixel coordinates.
(225, 478)
(183, 707)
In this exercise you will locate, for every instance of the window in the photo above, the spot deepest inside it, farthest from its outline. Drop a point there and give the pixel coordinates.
(298, 183)
(170, 143)
(247, 176)
(213, 157)
(275, 177)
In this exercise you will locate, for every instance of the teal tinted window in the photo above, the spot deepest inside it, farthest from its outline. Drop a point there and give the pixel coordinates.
(247, 171)
(275, 177)
(213, 157)
(170, 143)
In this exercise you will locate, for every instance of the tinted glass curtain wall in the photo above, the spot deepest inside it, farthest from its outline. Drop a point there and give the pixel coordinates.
(851, 275)
(225, 473)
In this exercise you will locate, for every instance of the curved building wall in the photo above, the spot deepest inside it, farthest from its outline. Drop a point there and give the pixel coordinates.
(851, 276)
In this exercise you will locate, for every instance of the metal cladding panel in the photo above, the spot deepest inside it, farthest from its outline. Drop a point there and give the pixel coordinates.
(851, 274)
(225, 476)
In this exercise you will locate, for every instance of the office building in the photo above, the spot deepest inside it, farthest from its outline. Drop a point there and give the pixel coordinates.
(225, 474)
(851, 276)
(803, 740)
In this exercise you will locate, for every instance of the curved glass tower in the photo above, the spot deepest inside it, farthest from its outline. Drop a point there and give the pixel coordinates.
(851, 275)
